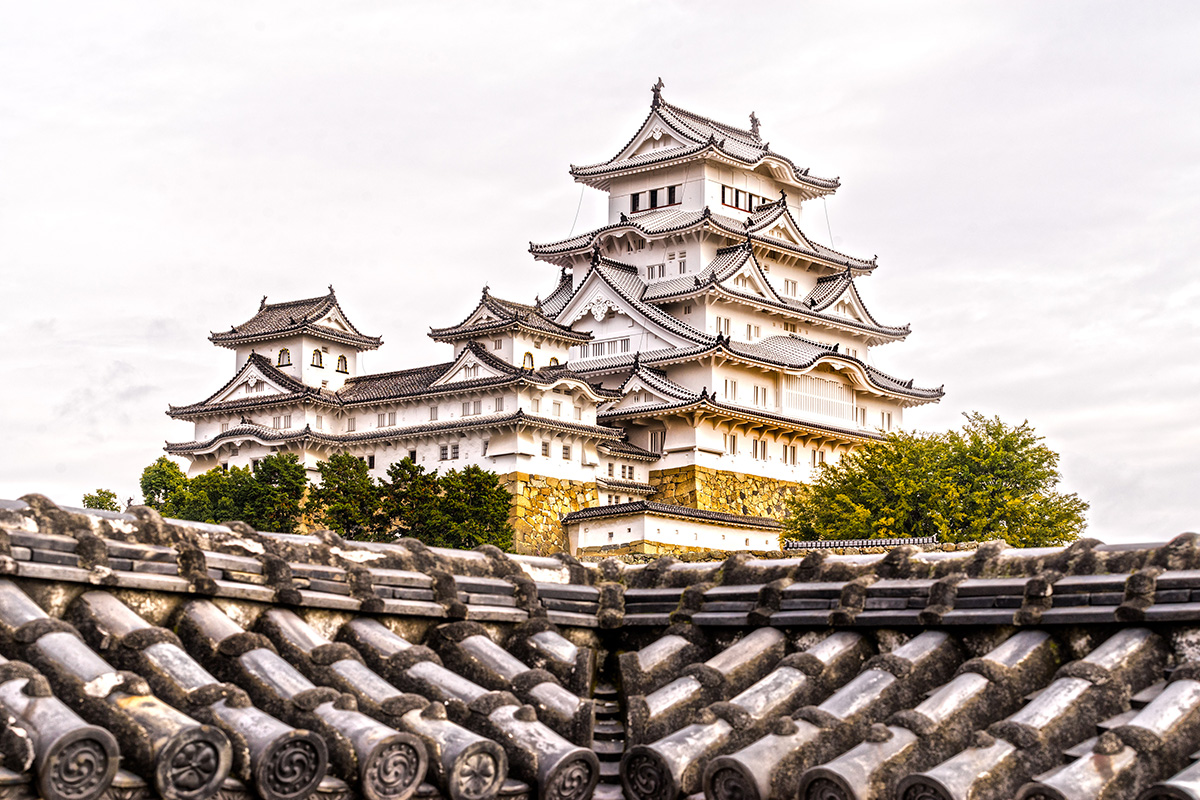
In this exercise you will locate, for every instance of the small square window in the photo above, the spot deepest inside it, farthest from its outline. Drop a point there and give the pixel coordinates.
(546, 449)
(224, 427)
(566, 452)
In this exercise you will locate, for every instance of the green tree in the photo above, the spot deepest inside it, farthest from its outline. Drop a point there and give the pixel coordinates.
(410, 504)
(476, 506)
(102, 500)
(160, 480)
(347, 498)
(276, 504)
(987, 481)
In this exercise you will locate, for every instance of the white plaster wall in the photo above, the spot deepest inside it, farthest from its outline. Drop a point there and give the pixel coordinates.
(667, 530)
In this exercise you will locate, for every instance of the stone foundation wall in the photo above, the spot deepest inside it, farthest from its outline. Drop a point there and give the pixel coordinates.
(717, 490)
(539, 504)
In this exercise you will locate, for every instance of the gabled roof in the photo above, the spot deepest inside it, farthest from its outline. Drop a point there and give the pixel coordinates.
(788, 352)
(423, 381)
(696, 135)
(672, 221)
(656, 381)
(308, 435)
(623, 280)
(293, 391)
(275, 320)
(558, 298)
(493, 315)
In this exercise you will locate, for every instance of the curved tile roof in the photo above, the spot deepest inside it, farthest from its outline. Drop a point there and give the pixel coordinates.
(701, 135)
(164, 658)
(507, 315)
(664, 222)
(296, 391)
(274, 320)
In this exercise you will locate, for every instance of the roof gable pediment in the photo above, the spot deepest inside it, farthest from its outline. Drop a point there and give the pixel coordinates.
(472, 366)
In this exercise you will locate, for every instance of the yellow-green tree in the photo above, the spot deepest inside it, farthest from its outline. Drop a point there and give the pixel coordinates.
(986, 481)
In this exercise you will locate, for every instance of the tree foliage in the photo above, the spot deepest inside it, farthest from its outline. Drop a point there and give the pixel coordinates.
(347, 498)
(101, 500)
(986, 481)
(462, 509)
(267, 497)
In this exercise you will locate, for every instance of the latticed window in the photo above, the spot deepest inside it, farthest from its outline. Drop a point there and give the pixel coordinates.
(819, 396)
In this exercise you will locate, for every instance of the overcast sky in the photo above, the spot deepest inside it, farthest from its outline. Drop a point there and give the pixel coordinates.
(1028, 173)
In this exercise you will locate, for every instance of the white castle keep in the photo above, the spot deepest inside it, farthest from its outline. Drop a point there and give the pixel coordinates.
(698, 357)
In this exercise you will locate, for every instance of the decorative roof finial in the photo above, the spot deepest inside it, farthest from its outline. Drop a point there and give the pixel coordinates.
(263, 304)
(754, 125)
(624, 218)
(485, 292)
(596, 252)
(637, 359)
(331, 289)
(657, 89)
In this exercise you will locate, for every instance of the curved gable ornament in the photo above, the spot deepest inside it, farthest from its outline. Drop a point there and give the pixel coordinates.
(599, 307)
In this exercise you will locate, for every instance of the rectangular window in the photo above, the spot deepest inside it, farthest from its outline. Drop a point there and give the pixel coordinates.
(225, 426)
(287, 420)
(598, 348)
(443, 452)
(466, 408)
(566, 452)
(789, 287)
(635, 203)
(687, 308)
(275, 422)
(656, 441)
(682, 261)
(610, 470)
(536, 405)
(578, 412)
(862, 417)
(654, 198)
(790, 327)
(483, 447)
(557, 409)
(454, 451)
(885, 420)
(412, 456)
(370, 462)
(351, 423)
(749, 333)
(476, 406)
(497, 344)
(432, 413)
(731, 390)
(391, 418)
(320, 422)
(382, 421)
(546, 449)
(673, 194)
(731, 444)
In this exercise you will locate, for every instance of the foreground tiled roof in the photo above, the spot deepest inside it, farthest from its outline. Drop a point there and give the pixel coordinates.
(156, 658)
(296, 316)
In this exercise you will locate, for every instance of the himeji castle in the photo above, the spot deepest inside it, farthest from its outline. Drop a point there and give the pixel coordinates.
(698, 358)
